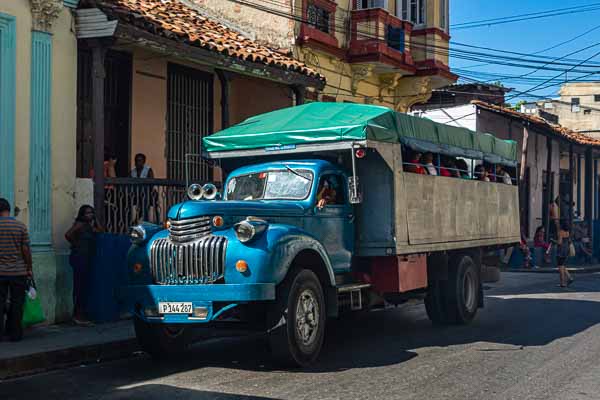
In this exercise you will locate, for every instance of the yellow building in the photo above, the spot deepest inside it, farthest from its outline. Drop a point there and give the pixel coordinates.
(388, 52)
(38, 73)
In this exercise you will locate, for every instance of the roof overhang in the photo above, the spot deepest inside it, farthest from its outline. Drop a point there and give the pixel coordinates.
(93, 24)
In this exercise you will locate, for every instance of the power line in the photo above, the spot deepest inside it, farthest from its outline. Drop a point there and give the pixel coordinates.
(527, 17)
(463, 54)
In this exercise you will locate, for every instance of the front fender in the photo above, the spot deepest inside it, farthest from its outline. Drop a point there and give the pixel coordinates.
(270, 256)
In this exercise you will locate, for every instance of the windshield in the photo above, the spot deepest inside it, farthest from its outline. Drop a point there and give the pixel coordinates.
(288, 184)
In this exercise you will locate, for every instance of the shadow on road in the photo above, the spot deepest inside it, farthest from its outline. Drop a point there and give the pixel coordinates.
(511, 320)
(164, 392)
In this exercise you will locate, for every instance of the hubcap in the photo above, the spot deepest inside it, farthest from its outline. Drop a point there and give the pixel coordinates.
(469, 290)
(307, 317)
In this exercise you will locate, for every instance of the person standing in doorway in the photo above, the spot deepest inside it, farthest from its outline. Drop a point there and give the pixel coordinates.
(141, 170)
(147, 198)
(15, 268)
(82, 237)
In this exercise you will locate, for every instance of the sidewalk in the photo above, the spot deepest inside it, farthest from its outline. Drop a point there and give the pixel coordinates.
(55, 346)
(584, 269)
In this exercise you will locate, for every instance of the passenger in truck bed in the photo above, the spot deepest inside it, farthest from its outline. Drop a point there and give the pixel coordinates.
(481, 173)
(427, 161)
(463, 168)
(414, 164)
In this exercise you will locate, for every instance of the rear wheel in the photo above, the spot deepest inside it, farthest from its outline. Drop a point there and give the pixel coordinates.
(456, 300)
(298, 319)
(159, 340)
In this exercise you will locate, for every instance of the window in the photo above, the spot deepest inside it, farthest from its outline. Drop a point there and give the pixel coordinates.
(597, 98)
(331, 189)
(362, 4)
(318, 18)
(444, 14)
(412, 10)
(289, 184)
(395, 38)
(575, 104)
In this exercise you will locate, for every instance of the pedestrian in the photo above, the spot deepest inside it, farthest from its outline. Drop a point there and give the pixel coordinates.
(554, 207)
(15, 270)
(82, 236)
(564, 251)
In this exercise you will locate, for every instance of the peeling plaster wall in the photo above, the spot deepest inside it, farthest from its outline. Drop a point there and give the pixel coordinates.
(260, 26)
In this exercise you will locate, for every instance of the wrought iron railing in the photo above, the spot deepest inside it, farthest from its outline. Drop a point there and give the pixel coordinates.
(128, 201)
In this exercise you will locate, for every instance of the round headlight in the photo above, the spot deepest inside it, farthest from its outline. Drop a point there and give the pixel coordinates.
(209, 191)
(195, 191)
(244, 231)
(250, 228)
(137, 234)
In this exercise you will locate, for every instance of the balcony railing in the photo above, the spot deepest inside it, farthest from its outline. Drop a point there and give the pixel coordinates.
(131, 200)
(378, 36)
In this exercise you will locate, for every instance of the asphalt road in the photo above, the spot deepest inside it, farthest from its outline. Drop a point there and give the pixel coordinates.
(532, 341)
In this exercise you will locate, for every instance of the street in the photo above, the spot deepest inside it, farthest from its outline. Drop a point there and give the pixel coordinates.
(533, 340)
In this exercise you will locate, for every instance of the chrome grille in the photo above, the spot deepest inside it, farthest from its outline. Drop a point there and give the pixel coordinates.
(189, 229)
(198, 262)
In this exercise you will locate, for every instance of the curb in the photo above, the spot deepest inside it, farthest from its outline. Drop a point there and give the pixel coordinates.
(576, 270)
(56, 359)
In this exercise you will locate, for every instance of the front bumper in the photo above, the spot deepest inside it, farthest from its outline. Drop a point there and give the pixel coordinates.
(139, 297)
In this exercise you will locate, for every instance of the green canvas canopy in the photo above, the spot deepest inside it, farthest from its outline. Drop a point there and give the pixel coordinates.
(320, 123)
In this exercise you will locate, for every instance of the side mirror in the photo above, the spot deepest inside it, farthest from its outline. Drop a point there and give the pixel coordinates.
(354, 193)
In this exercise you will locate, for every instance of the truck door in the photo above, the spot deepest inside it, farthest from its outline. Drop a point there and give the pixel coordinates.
(333, 224)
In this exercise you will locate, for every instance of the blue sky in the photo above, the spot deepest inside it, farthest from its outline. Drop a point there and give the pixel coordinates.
(525, 36)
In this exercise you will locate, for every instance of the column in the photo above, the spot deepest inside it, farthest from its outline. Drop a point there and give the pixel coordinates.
(40, 166)
(7, 106)
(44, 13)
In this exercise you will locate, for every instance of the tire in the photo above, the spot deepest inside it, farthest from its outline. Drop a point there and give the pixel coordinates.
(434, 303)
(456, 300)
(297, 320)
(462, 289)
(161, 341)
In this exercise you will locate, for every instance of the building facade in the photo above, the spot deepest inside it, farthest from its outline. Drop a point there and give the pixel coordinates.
(577, 108)
(38, 73)
(387, 52)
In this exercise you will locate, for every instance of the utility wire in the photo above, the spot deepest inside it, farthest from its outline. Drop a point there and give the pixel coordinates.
(526, 17)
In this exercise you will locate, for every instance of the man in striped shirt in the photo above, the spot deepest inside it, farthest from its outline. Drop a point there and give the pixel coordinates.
(15, 268)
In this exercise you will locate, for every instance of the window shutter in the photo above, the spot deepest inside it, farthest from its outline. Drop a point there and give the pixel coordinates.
(395, 38)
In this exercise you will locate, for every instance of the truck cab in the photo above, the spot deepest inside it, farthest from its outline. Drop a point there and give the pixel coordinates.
(217, 256)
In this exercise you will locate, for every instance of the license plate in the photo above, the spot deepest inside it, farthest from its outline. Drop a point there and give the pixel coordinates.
(175, 308)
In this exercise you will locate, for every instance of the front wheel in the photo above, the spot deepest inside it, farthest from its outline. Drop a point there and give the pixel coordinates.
(297, 319)
(159, 340)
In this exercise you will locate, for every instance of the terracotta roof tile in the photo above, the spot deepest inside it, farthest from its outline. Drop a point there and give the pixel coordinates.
(178, 21)
(575, 137)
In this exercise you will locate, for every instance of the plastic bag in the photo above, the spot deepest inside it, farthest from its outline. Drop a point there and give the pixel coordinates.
(32, 310)
(572, 251)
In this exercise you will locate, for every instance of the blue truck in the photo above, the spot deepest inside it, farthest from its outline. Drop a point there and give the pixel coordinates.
(319, 217)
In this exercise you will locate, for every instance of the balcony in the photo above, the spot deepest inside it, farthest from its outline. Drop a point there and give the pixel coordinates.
(319, 28)
(380, 38)
(128, 201)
